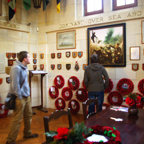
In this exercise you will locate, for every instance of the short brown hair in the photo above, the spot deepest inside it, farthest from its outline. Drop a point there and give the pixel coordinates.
(22, 55)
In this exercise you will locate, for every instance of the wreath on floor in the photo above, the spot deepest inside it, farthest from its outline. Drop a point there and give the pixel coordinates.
(59, 81)
(74, 106)
(84, 86)
(141, 86)
(67, 93)
(105, 106)
(73, 83)
(53, 92)
(5, 113)
(115, 98)
(60, 103)
(125, 86)
(110, 86)
(81, 95)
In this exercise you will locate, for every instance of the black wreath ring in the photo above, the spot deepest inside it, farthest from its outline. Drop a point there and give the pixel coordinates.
(59, 83)
(5, 112)
(140, 104)
(57, 103)
(125, 86)
(74, 108)
(117, 95)
(110, 86)
(74, 84)
(54, 94)
(141, 86)
(83, 96)
(67, 93)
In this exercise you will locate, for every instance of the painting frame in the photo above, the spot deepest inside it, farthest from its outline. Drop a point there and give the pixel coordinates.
(142, 31)
(109, 43)
(135, 53)
(66, 40)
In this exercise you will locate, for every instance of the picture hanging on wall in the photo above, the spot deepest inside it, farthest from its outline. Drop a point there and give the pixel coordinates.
(142, 31)
(135, 53)
(66, 40)
(109, 43)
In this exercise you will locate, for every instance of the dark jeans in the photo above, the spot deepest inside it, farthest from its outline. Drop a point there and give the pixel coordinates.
(93, 95)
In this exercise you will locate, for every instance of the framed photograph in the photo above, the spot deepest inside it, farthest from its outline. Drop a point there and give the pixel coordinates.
(0, 7)
(135, 53)
(66, 40)
(142, 31)
(109, 42)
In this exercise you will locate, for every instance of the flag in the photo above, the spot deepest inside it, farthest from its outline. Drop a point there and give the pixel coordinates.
(58, 6)
(27, 4)
(12, 8)
(45, 3)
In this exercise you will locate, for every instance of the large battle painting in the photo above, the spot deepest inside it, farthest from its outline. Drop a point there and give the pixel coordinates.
(109, 43)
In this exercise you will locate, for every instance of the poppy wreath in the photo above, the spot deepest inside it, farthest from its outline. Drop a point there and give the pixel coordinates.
(139, 104)
(67, 93)
(117, 95)
(105, 105)
(83, 96)
(110, 86)
(59, 83)
(53, 94)
(60, 105)
(84, 86)
(125, 86)
(74, 84)
(141, 86)
(5, 111)
(74, 107)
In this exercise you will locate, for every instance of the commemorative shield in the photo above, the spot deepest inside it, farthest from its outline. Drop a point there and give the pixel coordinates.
(74, 54)
(34, 55)
(84, 66)
(34, 67)
(1, 80)
(80, 54)
(34, 61)
(68, 66)
(52, 66)
(8, 55)
(8, 80)
(52, 55)
(59, 55)
(41, 55)
(7, 70)
(135, 67)
(11, 62)
(59, 66)
(68, 54)
(41, 66)
(76, 66)
(13, 55)
(142, 66)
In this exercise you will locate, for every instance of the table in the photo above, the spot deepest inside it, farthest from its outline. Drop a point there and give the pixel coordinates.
(131, 128)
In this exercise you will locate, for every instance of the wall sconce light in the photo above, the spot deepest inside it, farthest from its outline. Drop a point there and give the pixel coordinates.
(37, 3)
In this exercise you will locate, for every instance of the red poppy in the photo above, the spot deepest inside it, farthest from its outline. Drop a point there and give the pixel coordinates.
(129, 101)
(62, 133)
(138, 100)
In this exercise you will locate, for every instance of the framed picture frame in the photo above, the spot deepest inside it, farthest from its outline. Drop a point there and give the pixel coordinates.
(0, 7)
(66, 40)
(135, 53)
(142, 31)
(109, 42)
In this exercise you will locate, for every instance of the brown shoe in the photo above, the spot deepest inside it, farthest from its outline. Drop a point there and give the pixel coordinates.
(10, 142)
(32, 136)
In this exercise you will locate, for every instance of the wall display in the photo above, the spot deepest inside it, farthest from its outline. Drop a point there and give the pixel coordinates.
(8, 55)
(135, 67)
(141, 86)
(2, 63)
(34, 61)
(52, 66)
(8, 80)
(52, 55)
(66, 40)
(7, 70)
(81, 95)
(76, 67)
(0, 7)
(13, 55)
(53, 92)
(59, 81)
(74, 106)
(67, 93)
(73, 82)
(135, 53)
(59, 66)
(11, 62)
(41, 66)
(34, 67)
(84, 66)
(34, 55)
(74, 54)
(60, 103)
(143, 66)
(68, 54)
(1, 80)
(142, 31)
(59, 55)
(109, 42)
(41, 55)
(68, 66)
(80, 54)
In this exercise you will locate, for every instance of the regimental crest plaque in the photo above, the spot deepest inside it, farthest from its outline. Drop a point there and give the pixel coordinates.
(76, 66)
(68, 66)
(34, 61)
(84, 66)
(143, 66)
(34, 67)
(11, 62)
(41, 55)
(58, 55)
(80, 54)
(8, 80)
(34, 55)
(59, 66)
(8, 55)
(1, 80)
(68, 54)
(74, 54)
(7, 70)
(41, 66)
(52, 55)
(135, 67)
(13, 55)
(52, 66)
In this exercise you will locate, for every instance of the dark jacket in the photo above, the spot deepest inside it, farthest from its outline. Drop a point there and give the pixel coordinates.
(93, 78)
